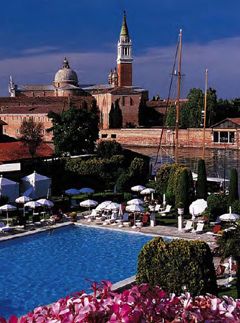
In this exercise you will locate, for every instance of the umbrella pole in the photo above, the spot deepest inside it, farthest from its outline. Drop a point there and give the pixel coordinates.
(134, 221)
(7, 219)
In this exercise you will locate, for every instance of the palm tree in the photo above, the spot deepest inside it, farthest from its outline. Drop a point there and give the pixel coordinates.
(228, 246)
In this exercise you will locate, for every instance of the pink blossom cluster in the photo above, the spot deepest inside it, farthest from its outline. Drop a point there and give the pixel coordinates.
(141, 303)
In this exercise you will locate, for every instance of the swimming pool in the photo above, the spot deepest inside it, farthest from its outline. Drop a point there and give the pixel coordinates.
(44, 267)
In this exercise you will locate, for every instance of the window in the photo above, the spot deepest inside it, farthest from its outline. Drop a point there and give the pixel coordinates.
(113, 136)
(123, 100)
(104, 135)
(131, 101)
(226, 137)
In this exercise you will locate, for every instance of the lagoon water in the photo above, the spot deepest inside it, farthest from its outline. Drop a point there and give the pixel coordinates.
(218, 161)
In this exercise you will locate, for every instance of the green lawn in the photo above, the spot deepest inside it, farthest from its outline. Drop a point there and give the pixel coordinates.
(228, 291)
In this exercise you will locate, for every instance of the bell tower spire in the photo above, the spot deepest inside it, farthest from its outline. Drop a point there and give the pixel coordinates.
(124, 58)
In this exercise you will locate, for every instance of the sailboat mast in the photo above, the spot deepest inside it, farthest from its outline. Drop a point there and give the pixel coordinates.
(179, 75)
(205, 112)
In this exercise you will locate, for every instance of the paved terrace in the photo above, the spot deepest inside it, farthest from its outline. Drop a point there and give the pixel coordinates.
(158, 230)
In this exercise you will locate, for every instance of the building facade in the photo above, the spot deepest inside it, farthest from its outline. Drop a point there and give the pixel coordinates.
(36, 101)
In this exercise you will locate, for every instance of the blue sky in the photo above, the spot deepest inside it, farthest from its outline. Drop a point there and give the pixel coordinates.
(35, 35)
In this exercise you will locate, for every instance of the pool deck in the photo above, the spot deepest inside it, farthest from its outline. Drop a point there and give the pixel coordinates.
(158, 230)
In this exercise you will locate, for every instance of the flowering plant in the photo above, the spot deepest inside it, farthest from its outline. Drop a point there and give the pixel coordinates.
(140, 303)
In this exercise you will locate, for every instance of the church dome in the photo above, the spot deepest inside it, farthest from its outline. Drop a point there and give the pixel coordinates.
(65, 75)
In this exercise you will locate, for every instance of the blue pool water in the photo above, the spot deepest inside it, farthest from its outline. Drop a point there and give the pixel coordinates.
(40, 269)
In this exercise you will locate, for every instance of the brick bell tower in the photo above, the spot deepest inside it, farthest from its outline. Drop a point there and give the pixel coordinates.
(124, 58)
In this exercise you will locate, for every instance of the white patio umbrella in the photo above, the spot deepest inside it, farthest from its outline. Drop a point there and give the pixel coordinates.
(72, 191)
(138, 188)
(23, 199)
(147, 191)
(32, 204)
(7, 208)
(103, 205)
(112, 206)
(45, 202)
(229, 217)
(89, 203)
(135, 201)
(134, 208)
(86, 190)
(197, 207)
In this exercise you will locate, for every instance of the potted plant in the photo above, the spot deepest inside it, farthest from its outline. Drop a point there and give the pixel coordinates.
(73, 216)
(180, 208)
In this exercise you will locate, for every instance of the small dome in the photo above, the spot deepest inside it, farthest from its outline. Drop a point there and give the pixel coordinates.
(66, 75)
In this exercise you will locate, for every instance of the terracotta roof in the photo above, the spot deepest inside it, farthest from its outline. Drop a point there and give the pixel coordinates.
(40, 105)
(2, 123)
(13, 151)
(235, 120)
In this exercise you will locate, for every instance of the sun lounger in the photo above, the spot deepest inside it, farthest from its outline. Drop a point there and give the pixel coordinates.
(188, 226)
(167, 210)
(199, 228)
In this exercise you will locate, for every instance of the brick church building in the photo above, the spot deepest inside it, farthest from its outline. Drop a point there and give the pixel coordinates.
(35, 101)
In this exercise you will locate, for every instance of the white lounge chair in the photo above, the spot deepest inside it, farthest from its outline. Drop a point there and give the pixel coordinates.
(189, 226)
(167, 210)
(199, 228)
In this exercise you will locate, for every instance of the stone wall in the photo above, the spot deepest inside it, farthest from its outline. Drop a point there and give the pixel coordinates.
(151, 137)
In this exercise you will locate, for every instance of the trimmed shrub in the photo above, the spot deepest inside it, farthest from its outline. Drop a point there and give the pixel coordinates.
(124, 182)
(162, 178)
(177, 266)
(108, 148)
(217, 205)
(138, 168)
(233, 186)
(236, 206)
(182, 190)
(201, 185)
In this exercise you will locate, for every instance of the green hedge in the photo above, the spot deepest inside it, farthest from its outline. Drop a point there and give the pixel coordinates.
(177, 266)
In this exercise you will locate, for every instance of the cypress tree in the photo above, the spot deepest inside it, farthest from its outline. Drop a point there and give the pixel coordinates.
(111, 117)
(201, 185)
(233, 186)
(182, 189)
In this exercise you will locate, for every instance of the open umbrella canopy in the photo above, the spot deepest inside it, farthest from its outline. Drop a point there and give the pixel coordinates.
(103, 205)
(135, 201)
(23, 199)
(89, 203)
(197, 207)
(138, 188)
(8, 207)
(32, 204)
(86, 190)
(112, 206)
(72, 191)
(134, 208)
(45, 202)
(147, 191)
(229, 217)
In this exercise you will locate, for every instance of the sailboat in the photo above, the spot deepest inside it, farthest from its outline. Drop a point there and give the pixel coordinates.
(178, 59)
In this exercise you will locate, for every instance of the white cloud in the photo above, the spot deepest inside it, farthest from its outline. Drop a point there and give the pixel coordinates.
(152, 68)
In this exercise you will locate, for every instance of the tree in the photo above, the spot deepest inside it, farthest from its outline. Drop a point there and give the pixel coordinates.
(195, 106)
(233, 186)
(75, 131)
(201, 185)
(182, 190)
(177, 266)
(108, 148)
(31, 134)
(228, 246)
(115, 116)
